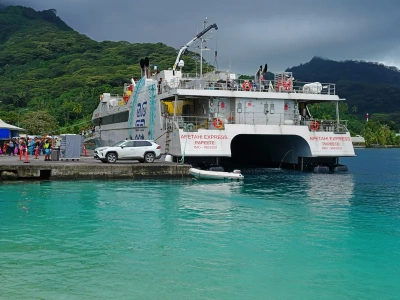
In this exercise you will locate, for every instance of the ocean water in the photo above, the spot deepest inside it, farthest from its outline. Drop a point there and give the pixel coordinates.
(277, 235)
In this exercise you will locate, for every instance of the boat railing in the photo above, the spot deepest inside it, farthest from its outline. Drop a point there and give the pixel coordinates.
(326, 125)
(288, 86)
(190, 75)
(194, 123)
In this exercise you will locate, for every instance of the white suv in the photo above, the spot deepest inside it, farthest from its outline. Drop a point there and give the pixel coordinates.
(141, 150)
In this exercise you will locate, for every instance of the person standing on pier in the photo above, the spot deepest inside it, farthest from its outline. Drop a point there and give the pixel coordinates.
(11, 146)
(47, 150)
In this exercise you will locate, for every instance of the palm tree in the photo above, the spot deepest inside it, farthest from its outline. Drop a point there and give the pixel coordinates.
(77, 109)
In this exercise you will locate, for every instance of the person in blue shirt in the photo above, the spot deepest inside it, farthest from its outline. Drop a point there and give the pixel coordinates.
(31, 146)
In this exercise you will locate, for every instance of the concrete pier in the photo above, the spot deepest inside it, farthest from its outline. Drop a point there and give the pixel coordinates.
(11, 167)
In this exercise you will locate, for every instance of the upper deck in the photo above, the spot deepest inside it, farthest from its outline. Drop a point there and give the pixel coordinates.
(284, 86)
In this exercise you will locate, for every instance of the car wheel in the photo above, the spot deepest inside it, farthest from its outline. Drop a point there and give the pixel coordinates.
(149, 157)
(111, 157)
(104, 161)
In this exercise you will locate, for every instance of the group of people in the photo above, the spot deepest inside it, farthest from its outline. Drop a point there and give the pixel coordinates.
(88, 132)
(18, 146)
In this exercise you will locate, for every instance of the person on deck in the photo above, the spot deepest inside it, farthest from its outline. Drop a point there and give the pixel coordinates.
(159, 85)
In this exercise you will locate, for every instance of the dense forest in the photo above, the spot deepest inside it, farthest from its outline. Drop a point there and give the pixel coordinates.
(47, 66)
(51, 73)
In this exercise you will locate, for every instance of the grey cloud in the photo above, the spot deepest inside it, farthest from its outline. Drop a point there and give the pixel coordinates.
(281, 33)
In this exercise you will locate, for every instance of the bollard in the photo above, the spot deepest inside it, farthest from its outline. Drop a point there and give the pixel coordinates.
(26, 157)
(37, 153)
(84, 151)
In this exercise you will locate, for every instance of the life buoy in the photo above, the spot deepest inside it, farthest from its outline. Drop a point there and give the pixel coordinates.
(314, 125)
(246, 85)
(218, 123)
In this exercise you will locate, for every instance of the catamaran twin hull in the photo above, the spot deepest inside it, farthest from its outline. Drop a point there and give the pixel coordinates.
(215, 115)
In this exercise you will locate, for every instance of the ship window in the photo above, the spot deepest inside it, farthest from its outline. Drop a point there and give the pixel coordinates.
(116, 118)
(272, 108)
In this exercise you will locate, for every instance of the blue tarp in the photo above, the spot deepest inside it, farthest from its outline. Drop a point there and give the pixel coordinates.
(4, 134)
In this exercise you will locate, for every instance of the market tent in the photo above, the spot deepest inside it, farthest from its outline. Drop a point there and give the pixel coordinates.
(8, 131)
(4, 125)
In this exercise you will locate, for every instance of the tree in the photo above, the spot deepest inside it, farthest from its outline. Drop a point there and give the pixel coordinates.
(39, 122)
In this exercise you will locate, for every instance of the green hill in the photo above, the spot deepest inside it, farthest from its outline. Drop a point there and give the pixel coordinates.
(46, 65)
(368, 87)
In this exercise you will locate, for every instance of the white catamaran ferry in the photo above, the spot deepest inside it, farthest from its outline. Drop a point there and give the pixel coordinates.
(215, 118)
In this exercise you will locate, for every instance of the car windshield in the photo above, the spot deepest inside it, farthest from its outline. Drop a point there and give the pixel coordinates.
(118, 144)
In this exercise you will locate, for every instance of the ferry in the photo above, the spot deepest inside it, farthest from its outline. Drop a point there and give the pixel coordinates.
(215, 118)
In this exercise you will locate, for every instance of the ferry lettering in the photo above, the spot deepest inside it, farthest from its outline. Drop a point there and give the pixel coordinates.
(141, 109)
(216, 137)
(340, 138)
(331, 144)
(331, 138)
(204, 142)
(140, 123)
(191, 136)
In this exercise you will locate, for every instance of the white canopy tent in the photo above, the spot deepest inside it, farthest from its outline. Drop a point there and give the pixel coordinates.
(4, 125)
(8, 131)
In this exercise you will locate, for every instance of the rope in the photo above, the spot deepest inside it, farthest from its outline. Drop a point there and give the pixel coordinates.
(184, 150)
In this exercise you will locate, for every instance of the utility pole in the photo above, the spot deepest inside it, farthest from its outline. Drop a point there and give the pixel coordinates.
(20, 113)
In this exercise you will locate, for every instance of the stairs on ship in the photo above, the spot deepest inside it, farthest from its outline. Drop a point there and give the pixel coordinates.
(167, 141)
(91, 138)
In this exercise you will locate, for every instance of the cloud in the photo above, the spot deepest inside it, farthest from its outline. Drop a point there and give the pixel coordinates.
(282, 34)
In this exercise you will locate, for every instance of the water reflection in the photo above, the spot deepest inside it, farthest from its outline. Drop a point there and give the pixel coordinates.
(338, 188)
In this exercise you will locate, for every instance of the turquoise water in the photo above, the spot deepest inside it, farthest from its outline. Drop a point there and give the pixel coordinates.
(277, 235)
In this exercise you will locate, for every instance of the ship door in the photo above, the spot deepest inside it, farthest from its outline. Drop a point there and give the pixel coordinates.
(249, 112)
(288, 110)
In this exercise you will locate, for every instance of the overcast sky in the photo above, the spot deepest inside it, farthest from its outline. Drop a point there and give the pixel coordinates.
(281, 33)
